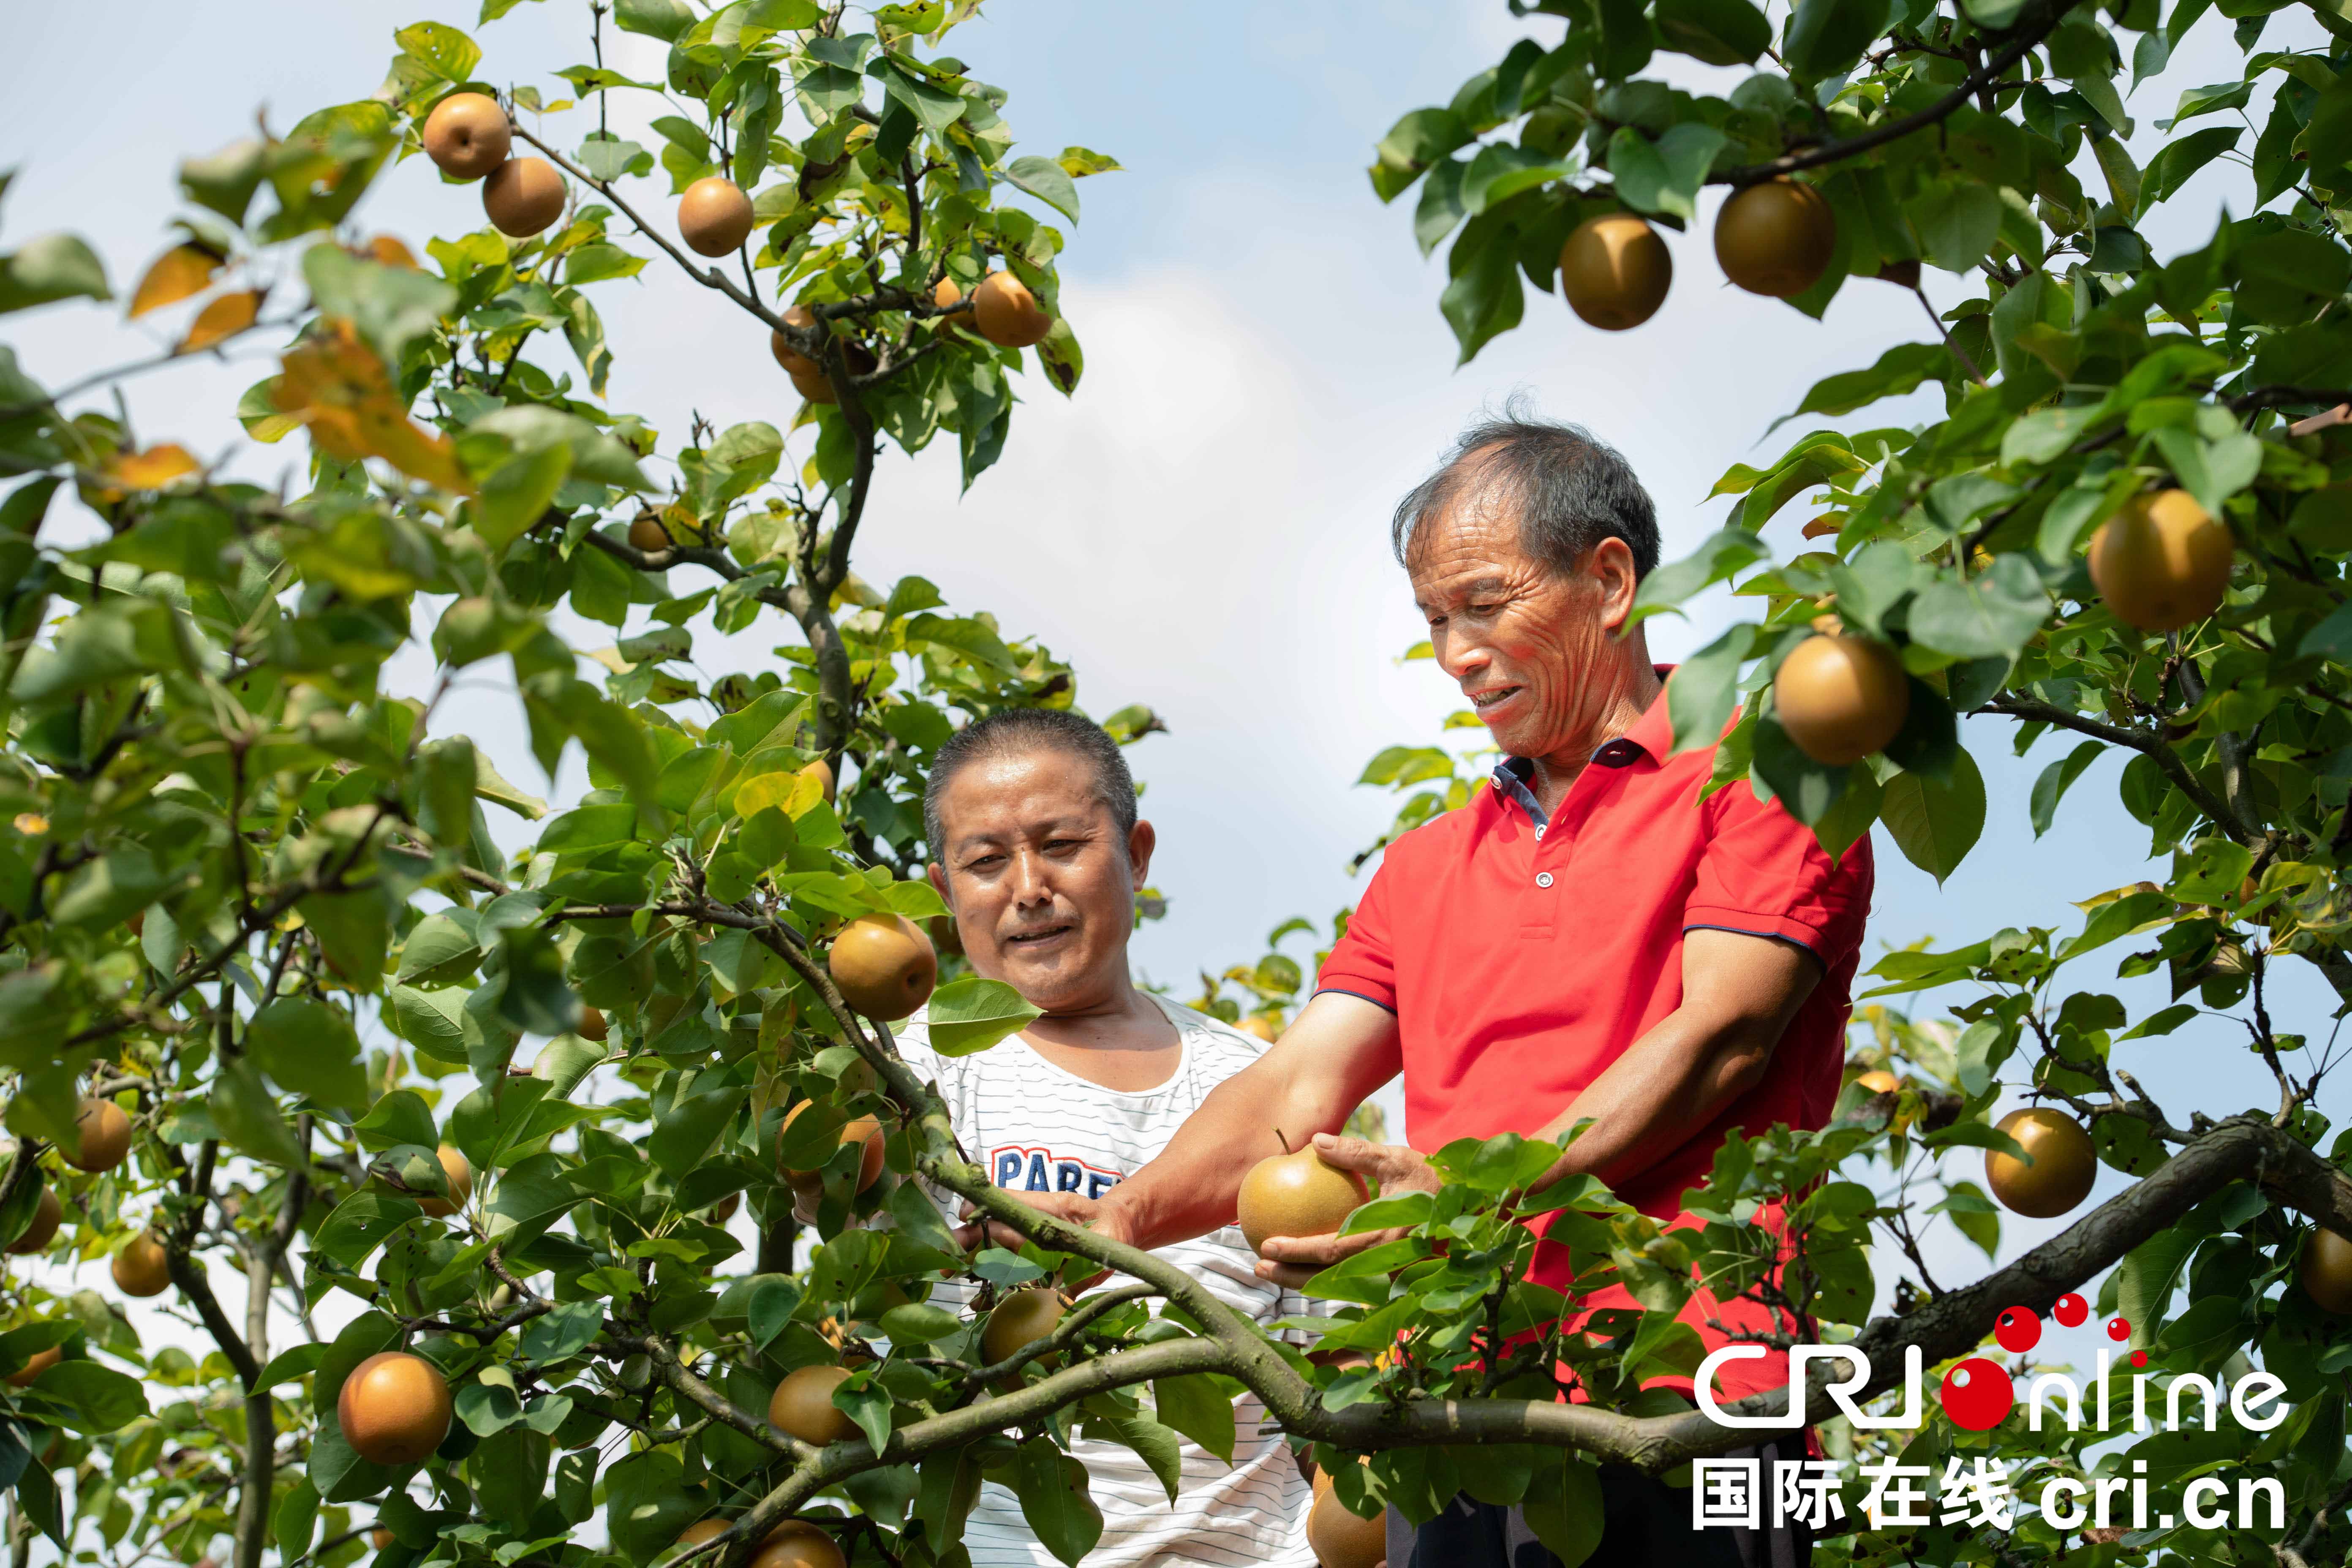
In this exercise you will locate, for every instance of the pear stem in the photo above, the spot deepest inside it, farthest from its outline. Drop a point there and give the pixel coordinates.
(1281, 1139)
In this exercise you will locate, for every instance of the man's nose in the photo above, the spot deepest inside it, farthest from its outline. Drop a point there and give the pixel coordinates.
(1029, 882)
(1460, 657)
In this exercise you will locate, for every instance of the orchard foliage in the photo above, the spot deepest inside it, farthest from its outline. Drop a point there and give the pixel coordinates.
(2074, 363)
(240, 850)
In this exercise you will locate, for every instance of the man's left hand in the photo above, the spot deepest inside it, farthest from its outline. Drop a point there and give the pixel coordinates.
(1293, 1261)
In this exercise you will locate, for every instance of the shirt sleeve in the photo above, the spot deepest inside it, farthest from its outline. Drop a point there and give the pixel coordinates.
(1363, 961)
(1764, 873)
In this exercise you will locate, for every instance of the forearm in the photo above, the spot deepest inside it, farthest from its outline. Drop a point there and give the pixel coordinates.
(1340, 1050)
(1671, 1084)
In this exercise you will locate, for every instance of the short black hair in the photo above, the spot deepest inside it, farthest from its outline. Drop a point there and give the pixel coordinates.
(1010, 731)
(1572, 490)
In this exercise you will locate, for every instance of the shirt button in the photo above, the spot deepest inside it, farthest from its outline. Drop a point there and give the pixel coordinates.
(1543, 878)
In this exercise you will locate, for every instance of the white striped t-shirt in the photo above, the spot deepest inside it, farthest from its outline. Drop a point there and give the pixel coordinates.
(1037, 1127)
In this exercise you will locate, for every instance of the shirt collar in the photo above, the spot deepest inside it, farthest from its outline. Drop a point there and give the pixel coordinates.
(1652, 735)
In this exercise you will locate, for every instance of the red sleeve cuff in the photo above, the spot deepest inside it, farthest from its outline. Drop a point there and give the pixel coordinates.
(1377, 992)
(1809, 929)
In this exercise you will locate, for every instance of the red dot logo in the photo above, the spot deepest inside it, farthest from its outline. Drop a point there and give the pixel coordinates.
(2071, 1310)
(2139, 1358)
(1977, 1394)
(2018, 1330)
(2119, 1328)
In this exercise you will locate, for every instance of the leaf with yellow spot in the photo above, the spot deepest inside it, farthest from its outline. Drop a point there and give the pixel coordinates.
(223, 319)
(182, 270)
(796, 794)
(154, 469)
(337, 386)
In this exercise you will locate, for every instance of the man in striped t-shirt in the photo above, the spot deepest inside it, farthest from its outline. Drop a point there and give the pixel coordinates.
(1030, 814)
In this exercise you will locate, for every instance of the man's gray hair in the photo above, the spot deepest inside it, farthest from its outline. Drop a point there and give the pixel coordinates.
(1571, 490)
(1013, 731)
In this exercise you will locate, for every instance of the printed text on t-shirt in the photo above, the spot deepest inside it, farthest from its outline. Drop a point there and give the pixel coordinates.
(1021, 1168)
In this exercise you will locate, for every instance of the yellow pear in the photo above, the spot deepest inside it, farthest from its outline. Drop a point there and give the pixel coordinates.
(1297, 1193)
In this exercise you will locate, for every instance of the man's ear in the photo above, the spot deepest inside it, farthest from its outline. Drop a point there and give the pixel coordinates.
(939, 876)
(1610, 568)
(1142, 839)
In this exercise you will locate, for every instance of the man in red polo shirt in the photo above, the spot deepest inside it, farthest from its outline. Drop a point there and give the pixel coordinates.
(1586, 939)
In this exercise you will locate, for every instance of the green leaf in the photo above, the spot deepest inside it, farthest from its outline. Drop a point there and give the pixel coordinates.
(1156, 1446)
(489, 1408)
(1718, 557)
(298, 1361)
(1565, 1509)
(1197, 1407)
(518, 493)
(98, 1399)
(1485, 297)
(310, 1048)
(1936, 824)
(665, 19)
(1806, 788)
(2053, 780)
(1665, 176)
(972, 639)
(648, 1505)
(248, 1118)
(1047, 181)
(400, 1117)
(1412, 145)
(1719, 32)
(1704, 689)
(54, 266)
(1996, 612)
(689, 1131)
(2327, 136)
(567, 1329)
(1826, 37)
(2172, 168)
(296, 1521)
(919, 1218)
(1958, 222)
(1973, 1215)
(225, 181)
(392, 306)
(443, 49)
(362, 1222)
(1052, 1487)
(1899, 370)
(969, 1015)
(919, 1324)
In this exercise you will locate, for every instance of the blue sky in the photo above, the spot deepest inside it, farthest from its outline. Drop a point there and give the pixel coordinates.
(1202, 528)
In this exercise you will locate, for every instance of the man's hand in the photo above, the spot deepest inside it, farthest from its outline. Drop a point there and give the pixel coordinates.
(1293, 1261)
(977, 1231)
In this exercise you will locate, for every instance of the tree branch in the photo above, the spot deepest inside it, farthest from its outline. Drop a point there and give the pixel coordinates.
(2035, 25)
(2032, 709)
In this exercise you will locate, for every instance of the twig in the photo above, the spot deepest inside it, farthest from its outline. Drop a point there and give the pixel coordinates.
(2020, 44)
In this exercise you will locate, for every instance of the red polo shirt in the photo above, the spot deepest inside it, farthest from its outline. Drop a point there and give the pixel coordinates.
(1522, 956)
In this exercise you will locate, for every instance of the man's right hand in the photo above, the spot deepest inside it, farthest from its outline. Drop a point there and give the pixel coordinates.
(979, 1231)
(1292, 1260)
